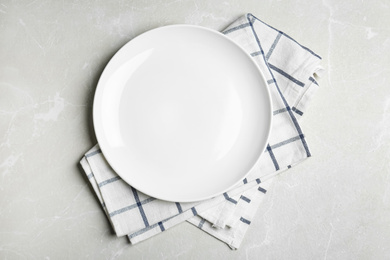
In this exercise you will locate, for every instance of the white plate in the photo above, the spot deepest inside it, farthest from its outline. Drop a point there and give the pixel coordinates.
(182, 113)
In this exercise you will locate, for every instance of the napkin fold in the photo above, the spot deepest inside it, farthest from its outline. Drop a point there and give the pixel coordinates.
(290, 70)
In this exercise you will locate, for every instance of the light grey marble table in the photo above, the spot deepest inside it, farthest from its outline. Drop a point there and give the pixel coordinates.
(336, 205)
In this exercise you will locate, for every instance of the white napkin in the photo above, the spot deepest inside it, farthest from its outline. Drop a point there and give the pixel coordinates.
(289, 69)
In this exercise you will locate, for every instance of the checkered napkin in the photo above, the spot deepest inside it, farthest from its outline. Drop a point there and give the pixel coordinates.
(289, 69)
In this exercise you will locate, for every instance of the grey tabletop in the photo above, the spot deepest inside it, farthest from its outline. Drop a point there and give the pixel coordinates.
(335, 205)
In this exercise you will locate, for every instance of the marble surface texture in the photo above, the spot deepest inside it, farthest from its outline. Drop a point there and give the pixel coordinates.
(336, 205)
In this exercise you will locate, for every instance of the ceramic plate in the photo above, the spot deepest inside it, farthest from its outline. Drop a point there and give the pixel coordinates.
(182, 113)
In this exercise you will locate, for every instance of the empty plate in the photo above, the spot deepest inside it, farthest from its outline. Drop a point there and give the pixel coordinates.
(182, 113)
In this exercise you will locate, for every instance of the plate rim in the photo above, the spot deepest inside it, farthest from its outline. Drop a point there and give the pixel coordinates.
(99, 87)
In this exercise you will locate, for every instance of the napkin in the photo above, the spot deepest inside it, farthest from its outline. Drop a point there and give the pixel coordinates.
(290, 70)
